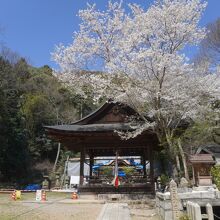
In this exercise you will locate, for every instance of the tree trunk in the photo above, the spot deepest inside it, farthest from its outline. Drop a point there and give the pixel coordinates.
(172, 155)
(178, 163)
(186, 173)
(65, 171)
(57, 157)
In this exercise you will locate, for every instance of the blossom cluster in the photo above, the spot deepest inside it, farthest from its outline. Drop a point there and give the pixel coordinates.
(141, 60)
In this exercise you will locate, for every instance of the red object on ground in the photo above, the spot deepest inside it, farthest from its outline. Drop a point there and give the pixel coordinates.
(43, 196)
(74, 195)
(13, 195)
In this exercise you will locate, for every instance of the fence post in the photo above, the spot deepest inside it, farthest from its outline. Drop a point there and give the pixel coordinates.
(197, 212)
(194, 211)
(209, 211)
(189, 209)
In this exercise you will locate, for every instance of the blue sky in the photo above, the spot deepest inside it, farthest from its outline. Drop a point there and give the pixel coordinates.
(33, 27)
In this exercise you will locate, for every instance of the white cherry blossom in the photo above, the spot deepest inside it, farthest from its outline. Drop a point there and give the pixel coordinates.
(141, 58)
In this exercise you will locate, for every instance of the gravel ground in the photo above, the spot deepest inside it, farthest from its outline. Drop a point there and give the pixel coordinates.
(142, 210)
(28, 209)
(143, 214)
(59, 206)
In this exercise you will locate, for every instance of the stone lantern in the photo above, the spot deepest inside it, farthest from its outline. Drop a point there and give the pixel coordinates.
(57, 183)
(45, 183)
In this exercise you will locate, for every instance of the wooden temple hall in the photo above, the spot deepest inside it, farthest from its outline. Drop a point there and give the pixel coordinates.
(94, 137)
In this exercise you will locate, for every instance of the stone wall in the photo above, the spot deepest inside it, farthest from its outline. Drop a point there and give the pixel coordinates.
(123, 197)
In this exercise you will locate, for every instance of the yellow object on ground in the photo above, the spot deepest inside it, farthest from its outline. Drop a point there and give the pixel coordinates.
(18, 194)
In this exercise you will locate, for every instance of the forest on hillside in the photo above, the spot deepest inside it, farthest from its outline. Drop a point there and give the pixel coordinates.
(30, 98)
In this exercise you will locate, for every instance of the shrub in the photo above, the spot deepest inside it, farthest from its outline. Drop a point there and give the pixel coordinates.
(164, 179)
(184, 217)
(215, 172)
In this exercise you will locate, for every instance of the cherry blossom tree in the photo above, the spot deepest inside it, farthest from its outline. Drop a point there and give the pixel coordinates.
(140, 55)
(209, 50)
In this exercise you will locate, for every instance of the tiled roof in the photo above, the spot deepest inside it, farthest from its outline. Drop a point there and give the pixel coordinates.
(202, 158)
(91, 127)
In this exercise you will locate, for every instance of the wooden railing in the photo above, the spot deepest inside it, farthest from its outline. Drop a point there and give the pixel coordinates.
(123, 180)
(108, 188)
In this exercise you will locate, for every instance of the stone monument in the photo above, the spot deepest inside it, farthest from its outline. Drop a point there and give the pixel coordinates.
(184, 183)
(184, 186)
(174, 200)
(67, 182)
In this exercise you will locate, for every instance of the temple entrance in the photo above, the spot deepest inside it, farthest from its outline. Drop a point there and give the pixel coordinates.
(133, 175)
(96, 139)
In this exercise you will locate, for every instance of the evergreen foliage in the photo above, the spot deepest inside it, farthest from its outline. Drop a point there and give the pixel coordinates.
(29, 99)
(215, 171)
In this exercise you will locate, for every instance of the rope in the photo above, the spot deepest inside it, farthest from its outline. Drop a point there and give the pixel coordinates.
(43, 205)
(216, 216)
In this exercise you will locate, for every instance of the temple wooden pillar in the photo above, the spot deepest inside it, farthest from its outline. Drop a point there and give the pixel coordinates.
(91, 163)
(151, 160)
(151, 156)
(144, 163)
(193, 173)
(82, 161)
